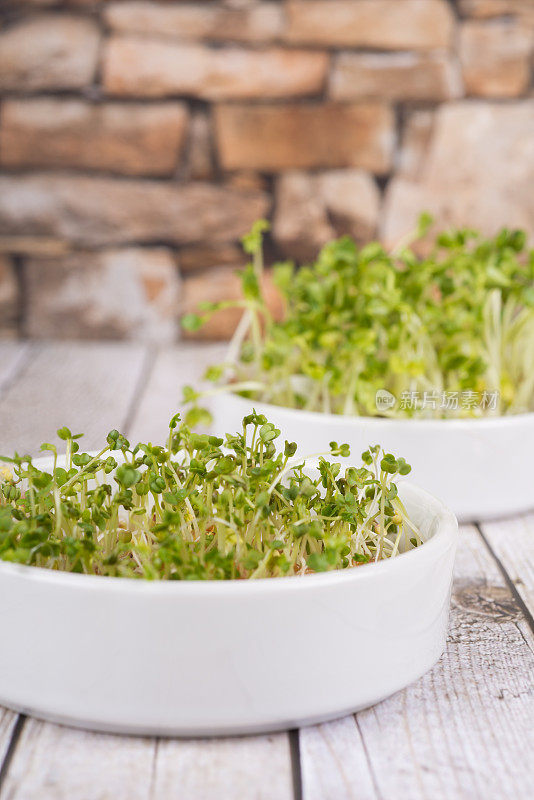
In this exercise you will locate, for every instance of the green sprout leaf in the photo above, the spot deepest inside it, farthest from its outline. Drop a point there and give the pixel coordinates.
(361, 323)
(201, 507)
(191, 322)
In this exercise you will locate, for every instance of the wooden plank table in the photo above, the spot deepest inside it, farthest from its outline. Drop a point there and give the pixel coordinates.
(465, 730)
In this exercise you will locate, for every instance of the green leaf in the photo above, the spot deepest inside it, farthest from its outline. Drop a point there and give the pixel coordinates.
(318, 562)
(127, 476)
(224, 466)
(424, 224)
(191, 322)
(252, 240)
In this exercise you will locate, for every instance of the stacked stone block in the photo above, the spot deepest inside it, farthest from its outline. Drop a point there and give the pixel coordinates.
(139, 139)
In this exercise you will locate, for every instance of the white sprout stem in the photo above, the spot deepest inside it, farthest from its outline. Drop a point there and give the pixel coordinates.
(238, 338)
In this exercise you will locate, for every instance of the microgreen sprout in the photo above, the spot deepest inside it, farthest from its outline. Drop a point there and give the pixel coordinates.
(360, 320)
(202, 507)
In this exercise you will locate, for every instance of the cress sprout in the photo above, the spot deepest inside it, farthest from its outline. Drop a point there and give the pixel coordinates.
(360, 320)
(201, 507)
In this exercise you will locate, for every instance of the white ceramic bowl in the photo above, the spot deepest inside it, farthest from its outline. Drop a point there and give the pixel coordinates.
(481, 468)
(220, 657)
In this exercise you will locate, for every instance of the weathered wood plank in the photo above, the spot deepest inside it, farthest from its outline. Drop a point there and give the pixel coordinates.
(7, 723)
(512, 541)
(51, 762)
(334, 763)
(464, 729)
(88, 387)
(256, 767)
(12, 357)
(172, 370)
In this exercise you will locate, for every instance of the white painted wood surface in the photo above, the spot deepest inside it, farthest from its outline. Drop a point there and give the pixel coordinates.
(170, 371)
(334, 762)
(257, 767)
(463, 731)
(512, 542)
(7, 724)
(89, 388)
(12, 357)
(60, 763)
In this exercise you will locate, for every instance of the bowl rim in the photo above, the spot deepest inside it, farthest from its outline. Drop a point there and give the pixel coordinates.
(439, 543)
(353, 419)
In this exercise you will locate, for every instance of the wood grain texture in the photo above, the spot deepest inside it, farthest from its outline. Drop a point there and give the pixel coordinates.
(7, 724)
(56, 763)
(512, 542)
(12, 357)
(334, 762)
(464, 730)
(252, 768)
(88, 387)
(52, 762)
(162, 395)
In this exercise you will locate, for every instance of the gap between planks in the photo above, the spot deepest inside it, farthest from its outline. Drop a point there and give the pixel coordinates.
(10, 725)
(511, 542)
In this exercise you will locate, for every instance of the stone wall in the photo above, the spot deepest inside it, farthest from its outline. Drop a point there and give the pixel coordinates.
(140, 139)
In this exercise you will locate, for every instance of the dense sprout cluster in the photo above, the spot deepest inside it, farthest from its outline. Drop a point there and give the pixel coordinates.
(360, 320)
(201, 507)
